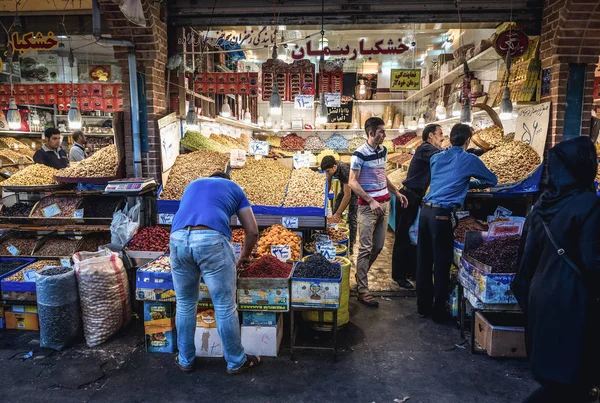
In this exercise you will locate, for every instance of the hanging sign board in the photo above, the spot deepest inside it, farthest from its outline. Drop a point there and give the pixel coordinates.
(333, 99)
(169, 129)
(513, 42)
(304, 102)
(31, 41)
(341, 114)
(532, 126)
(405, 80)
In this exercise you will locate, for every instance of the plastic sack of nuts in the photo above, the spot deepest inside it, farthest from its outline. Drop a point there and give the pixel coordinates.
(104, 294)
(58, 307)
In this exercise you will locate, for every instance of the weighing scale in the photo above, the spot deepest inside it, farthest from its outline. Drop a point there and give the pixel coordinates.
(129, 185)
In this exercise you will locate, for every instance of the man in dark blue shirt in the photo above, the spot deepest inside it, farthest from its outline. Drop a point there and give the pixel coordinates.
(451, 173)
(404, 257)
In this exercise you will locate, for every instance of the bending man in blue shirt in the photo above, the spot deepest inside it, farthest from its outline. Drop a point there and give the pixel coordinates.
(451, 173)
(200, 245)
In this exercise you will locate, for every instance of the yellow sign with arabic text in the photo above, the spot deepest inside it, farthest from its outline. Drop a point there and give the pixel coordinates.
(31, 41)
(11, 6)
(405, 80)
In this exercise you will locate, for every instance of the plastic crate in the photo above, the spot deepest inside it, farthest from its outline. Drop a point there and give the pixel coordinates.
(8, 286)
(316, 292)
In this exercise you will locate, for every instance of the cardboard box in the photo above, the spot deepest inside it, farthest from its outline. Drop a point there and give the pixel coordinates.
(259, 318)
(160, 339)
(501, 334)
(149, 294)
(208, 343)
(204, 300)
(22, 321)
(158, 313)
(263, 340)
(206, 318)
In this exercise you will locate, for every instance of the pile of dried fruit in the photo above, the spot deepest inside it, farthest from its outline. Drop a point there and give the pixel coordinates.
(160, 265)
(267, 267)
(400, 158)
(33, 175)
(511, 162)
(491, 137)
(500, 254)
(20, 209)
(274, 141)
(99, 206)
(337, 142)
(334, 220)
(91, 242)
(189, 167)
(389, 145)
(66, 204)
(279, 235)
(10, 265)
(311, 247)
(154, 239)
(414, 143)
(264, 181)
(306, 189)
(356, 142)
(195, 141)
(37, 266)
(20, 246)
(316, 266)
(403, 139)
(237, 235)
(226, 141)
(292, 142)
(466, 224)
(314, 143)
(57, 245)
(102, 164)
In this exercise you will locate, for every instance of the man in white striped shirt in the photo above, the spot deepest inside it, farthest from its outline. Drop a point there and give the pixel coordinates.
(370, 182)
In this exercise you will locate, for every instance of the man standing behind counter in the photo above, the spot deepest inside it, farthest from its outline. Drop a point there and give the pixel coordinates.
(451, 173)
(77, 152)
(51, 154)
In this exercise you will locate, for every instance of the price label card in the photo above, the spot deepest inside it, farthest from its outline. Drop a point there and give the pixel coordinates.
(13, 249)
(301, 161)
(237, 250)
(289, 222)
(321, 237)
(304, 102)
(281, 252)
(65, 262)
(166, 218)
(462, 214)
(51, 211)
(502, 212)
(333, 99)
(506, 228)
(258, 147)
(29, 276)
(78, 213)
(237, 158)
(334, 226)
(328, 252)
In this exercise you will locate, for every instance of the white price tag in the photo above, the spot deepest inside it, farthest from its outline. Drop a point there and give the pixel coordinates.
(13, 249)
(258, 147)
(333, 99)
(301, 161)
(281, 252)
(502, 212)
(65, 262)
(304, 102)
(506, 228)
(165, 218)
(237, 250)
(78, 213)
(29, 276)
(334, 226)
(321, 237)
(237, 158)
(462, 214)
(51, 211)
(289, 222)
(328, 252)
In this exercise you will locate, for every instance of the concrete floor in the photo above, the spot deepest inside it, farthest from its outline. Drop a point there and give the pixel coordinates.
(387, 354)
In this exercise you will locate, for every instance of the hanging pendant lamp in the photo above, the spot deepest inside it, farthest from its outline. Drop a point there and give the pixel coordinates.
(13, 117)
(191, 118)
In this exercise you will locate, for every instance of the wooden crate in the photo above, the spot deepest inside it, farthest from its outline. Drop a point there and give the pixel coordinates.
(501, 334)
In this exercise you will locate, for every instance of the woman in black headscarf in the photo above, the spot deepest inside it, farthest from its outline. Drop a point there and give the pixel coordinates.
(558, 292)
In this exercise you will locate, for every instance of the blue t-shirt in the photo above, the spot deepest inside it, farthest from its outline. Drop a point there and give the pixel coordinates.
(210, 202)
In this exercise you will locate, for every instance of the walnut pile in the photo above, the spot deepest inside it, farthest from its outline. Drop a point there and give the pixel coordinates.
(189, 167)
(306, 189)
(493, 136)
(264, 181)
(103, 163)
(511, 162)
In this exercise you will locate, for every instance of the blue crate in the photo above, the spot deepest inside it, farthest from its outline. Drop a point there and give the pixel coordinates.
(18, 286)
(153, 280)
(489, 288)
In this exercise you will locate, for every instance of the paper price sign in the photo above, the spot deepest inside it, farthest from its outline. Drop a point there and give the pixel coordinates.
(334, 226)
(29, 276)
(289, 222)
(51, 211)
(281, 252)
(301, 161)
(321, 238)
(166, 218)
(258, 147)
(237, 158)
(78, 213)
(237, 249)
(328, 252)
(333, 99)
(505, 228)
(12, 249)
(502, 212)
(304, 102)
(65, 262)
(462, 214)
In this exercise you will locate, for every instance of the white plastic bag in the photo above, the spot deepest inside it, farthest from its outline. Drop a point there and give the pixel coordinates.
(133, 11)
(413, 231)
(125, 225)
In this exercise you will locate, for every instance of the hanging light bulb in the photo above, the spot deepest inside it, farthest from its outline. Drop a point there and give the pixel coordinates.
(191, 118)
(226, 110)
(362, 89)
(35, 118)
(413, 125)
(466, 116)
(440, 111)
(402, 128)
(321, 118)
(506, 106)
(13, 117)
(74, 116)
(456, 109)
(275, 101)
(421, 122)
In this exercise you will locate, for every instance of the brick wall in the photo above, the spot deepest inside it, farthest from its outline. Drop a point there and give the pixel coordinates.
(570, 34)
(151, 56)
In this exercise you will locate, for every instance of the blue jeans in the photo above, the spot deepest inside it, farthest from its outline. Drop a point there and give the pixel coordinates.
(208, 253)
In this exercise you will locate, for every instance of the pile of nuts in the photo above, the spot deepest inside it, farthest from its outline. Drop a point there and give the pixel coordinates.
(334, 220)
(99, 206)
(103, 163)
(337, 234)
(18, 146)
(397, 177)
(154, 239)
(57, 245)
(337, 142)
(274, 141)
(91, 242)
(306, 189)
(279, 235)
(13, 157)
(264, 181)
(511, 162)
(160, 265)
(195, 141)
(400, 158)
(356, 142)
(227, 141)
(292, 142)
(25, 246)
(98, 143)
(491, 137)
(466, 224)
(67, 206)
(388, 144)
(37, 266)
(33, 175)
(20, 209)
(314, 143)
(189, 167)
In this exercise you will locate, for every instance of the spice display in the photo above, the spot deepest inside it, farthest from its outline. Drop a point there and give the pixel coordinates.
(99, 206)
(195, 141)
(24, 246)
(511, 162)
(160, 265)
(325, 153)
(57, 245)
(292, 142)
(403, 139)
(314, 143)
(189, 167)
(37, 266)
(316, 266)
(466, 224)
(155, 239)
(67, 206)
(274, 141)
(9, 265)
(32, 175)
(356, 142)
(491, 137)
(267, 267)
(91, 242)
(306, 189)
(103, 163)
(311, 247)
(337, 142)
(279, 235)
(19, 209)
(500, 254)
(264, 181)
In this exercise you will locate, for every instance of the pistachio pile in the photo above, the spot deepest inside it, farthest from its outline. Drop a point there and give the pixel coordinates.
(103, 163)
(264, 181)
(195, 141)
(511, 162)
(10, 156)
(492, 136)
(37, 266)
(17, 146)
(32, 175)
(227, 142)
(306, 189)
(189, 167)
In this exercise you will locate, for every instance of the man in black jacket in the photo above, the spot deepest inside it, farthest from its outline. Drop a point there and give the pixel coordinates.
(404, 257)
(51, 154)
